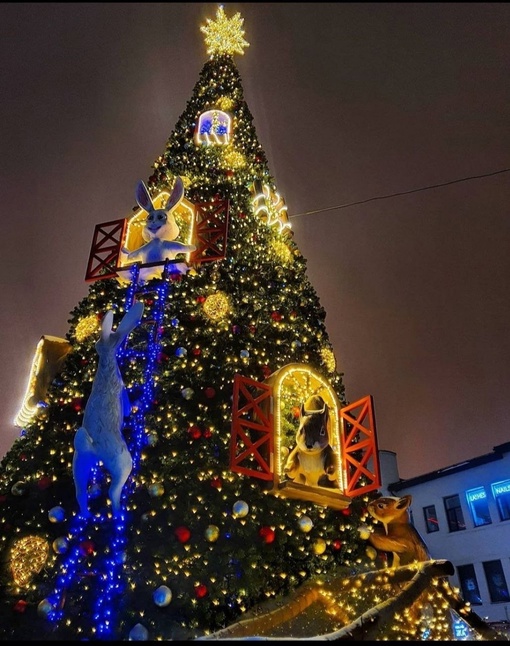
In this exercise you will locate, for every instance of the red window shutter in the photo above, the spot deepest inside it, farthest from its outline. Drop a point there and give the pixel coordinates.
(210, 231)
(105, 250)
(252, 439)
(359, 447)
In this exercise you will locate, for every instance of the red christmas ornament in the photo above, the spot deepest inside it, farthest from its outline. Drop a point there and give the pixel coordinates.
(296, 412)
(175, 277)
(200, 591)
(252, 329)
(196, 351)
(336, 545)
(23, 457)
(267, 534)
(182, 534)
(87, 548)
(293, 315)
(229, 173)
(216, 483)
(266, 371)
(200, 299)
(346, 511)
(207, 433)
(77, 404)
(84, 362)
(276, 316)
(20, 606)
(195, 431)
(242, 215)
(209, 392)
(44, 482)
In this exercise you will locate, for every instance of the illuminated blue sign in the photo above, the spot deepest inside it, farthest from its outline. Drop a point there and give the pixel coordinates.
(499, 488)
(476, 494)
(460, 629)
(478, 506)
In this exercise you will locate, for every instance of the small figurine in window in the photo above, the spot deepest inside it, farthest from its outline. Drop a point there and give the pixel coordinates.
(313, 461)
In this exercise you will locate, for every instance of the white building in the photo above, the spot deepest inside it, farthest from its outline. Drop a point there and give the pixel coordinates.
(463, 514)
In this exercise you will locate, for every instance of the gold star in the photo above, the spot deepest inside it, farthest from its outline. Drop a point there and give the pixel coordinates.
(224, 36)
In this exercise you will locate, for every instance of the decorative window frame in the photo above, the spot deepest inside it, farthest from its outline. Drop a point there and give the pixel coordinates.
(205, 135)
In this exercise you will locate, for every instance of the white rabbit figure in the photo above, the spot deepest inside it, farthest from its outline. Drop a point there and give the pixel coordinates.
(100, 439)
(160, 233)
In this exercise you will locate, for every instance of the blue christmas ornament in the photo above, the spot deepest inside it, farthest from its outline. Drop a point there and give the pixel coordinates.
(181, 352)
(162, 596)
(57, 514)
(156, 490)
(240, 509)
(138, 633)
(60, 545)
(44, 608)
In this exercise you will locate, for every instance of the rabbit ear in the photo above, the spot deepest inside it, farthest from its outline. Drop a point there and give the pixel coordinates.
(176, 195)
(106, 325)
(143, 197)
(130, 320)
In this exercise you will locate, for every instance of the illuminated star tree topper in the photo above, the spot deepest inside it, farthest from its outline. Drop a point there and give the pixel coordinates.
(224, 35)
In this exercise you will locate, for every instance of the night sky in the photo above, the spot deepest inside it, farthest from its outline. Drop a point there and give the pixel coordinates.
(350, 102)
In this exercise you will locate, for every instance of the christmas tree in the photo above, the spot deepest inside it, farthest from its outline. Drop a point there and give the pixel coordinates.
(216, 516)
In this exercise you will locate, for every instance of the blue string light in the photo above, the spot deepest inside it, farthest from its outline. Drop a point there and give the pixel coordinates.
(108, 568)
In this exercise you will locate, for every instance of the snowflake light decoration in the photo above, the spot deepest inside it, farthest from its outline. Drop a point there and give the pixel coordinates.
(224, 35)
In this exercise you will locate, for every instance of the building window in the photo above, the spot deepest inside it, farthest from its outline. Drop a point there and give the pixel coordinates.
(501, 493)
(478, 506)
(496, 581)
(431, 522)
(469, 584)
(454, 513)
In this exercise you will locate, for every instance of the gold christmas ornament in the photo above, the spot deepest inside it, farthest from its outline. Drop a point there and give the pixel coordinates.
(282, 252)
(86, 327)
(225, 103)
(212, 533)
(28, 557)
(319, 547)
(216, 306)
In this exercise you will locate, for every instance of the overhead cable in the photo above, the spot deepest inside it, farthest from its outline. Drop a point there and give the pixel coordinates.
(386, 197)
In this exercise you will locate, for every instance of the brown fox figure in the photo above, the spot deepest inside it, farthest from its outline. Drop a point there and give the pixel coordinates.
(398, 536)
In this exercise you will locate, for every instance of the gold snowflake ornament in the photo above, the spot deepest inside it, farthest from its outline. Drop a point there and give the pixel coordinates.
(224, 35)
